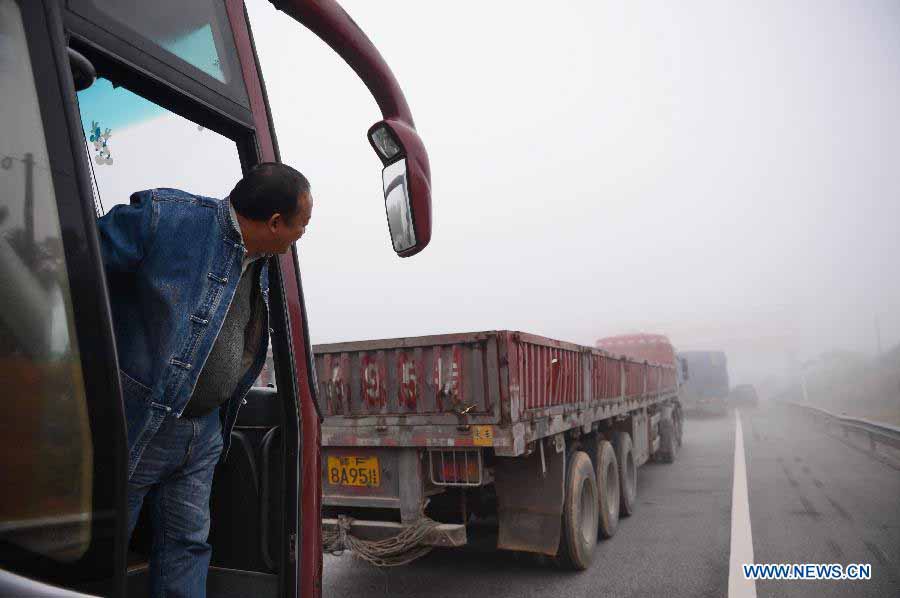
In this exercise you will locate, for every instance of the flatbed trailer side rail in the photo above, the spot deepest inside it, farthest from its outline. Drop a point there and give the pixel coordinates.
(542, 387)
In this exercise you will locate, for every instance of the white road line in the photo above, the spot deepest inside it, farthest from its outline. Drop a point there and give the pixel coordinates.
(741, 536)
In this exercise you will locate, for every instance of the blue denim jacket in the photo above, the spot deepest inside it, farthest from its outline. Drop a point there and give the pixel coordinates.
(173, 262)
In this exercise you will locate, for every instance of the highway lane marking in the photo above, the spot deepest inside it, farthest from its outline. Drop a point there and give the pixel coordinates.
(741, 535)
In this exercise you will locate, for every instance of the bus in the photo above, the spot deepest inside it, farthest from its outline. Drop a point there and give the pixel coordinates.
(102, 98)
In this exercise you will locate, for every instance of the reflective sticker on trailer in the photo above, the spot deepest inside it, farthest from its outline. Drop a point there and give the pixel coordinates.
(482, 436)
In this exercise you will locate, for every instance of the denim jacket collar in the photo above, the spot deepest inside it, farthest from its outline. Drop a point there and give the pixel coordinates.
(231, 217)
(227, 222)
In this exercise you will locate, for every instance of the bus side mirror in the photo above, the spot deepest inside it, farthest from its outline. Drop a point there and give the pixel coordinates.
(684, 368)
(407, 184)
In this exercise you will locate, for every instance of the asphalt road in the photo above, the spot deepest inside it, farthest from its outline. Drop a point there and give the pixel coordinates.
(813, 499)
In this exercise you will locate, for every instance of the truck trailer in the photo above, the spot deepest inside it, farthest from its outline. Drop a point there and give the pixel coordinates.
(707, 390)
(537, 439)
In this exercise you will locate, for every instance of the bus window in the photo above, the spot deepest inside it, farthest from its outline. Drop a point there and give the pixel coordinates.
(200, 36)
(135, 144)
(45, 436)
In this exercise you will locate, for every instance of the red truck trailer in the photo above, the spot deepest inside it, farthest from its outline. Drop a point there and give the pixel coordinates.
(426, 436)
(655, 348)
(651, 347)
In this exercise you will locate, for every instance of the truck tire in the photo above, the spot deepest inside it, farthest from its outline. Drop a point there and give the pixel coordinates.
(668, 445)
(679, 426)
(627, 472)
(608, 486)
(578, 537)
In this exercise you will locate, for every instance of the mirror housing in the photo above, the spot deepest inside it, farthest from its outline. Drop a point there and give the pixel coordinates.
(394, 141)
(328, 20)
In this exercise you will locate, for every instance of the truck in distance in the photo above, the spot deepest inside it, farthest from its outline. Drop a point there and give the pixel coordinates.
(706, 390)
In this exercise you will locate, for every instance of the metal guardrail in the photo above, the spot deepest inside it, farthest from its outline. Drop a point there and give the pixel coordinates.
(877, 433)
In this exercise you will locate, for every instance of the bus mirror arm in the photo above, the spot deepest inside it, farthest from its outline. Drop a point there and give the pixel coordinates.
(331, 23)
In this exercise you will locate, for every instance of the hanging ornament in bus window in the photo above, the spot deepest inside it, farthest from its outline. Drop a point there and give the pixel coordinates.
(101, 144)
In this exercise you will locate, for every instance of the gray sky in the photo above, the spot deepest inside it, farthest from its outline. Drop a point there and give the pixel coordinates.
(723, 172)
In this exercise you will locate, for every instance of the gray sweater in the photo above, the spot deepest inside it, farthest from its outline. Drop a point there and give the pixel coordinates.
(232, 354)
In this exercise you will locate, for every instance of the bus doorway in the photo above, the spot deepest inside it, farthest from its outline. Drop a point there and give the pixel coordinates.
(131, 144)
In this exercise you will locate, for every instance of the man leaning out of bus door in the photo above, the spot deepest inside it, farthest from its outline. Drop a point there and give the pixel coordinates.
(188, 282)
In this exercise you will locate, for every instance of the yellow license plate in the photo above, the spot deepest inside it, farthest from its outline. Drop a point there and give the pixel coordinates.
(354, 471)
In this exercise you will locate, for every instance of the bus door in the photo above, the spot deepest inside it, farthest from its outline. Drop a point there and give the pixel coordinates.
(160, 103)
(169, 108)
(62, 432)
(133, 144)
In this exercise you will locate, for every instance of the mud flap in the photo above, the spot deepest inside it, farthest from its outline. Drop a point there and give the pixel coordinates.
(530, 500)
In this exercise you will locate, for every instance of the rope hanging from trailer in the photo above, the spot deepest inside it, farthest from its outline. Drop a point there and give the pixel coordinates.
(395, 551)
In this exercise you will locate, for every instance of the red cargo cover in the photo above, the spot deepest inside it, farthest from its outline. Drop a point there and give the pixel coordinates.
(655, 348)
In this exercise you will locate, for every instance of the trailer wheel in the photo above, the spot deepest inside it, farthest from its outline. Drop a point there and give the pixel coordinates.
(608, 485)
(668, 445)
(579, 520)
(679, 426)
(627, 472)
